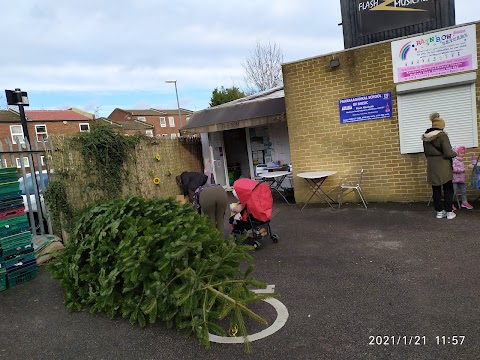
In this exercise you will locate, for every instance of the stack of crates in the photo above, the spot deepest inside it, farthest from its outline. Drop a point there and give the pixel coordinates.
(17, 256)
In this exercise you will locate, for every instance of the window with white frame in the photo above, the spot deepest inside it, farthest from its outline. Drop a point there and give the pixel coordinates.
(149, 133)
(142, 118)
(171, 121)
(25, 162)
(17, 134)
(84, 127)
(173, 136)
(42, 159)
(41, 132)
(163, 123)
(165, 136)
(453, 97)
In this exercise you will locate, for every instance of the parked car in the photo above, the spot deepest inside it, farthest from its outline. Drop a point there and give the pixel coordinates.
(30, 192)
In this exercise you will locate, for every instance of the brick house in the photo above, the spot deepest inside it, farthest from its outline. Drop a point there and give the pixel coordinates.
(55, 122)
(127, 127)
(41, 124)
(166, 123)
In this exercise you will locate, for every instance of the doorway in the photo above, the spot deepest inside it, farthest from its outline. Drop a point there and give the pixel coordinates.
(236, 154)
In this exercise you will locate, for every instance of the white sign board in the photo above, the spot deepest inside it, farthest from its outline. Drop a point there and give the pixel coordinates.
(440, 53)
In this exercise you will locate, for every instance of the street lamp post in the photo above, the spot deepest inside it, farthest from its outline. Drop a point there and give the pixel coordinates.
(178, 103)
(19, 98)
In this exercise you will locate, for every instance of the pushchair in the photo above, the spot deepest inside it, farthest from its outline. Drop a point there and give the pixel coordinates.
(257, 212)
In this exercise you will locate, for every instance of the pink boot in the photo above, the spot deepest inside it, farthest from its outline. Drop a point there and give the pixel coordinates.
(466, 205)
(454, 208)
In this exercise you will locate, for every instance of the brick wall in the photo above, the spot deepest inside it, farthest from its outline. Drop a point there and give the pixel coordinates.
(319, 142)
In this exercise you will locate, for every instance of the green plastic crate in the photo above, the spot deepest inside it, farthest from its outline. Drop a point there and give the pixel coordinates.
(10, 189)
(5, 178)
(11, 202)
(21, 275)
(12, 240)
(18, 259)
(14, 225)
(9, 171)
(15, 244)
(3, 279)
(22, 248)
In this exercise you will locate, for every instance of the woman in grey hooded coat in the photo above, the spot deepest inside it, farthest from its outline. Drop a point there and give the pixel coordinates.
(439, 153)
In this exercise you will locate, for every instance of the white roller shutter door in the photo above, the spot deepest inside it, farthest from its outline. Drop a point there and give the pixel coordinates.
(456, 105)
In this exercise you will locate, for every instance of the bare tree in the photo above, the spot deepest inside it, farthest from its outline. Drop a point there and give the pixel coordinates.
(263, 68)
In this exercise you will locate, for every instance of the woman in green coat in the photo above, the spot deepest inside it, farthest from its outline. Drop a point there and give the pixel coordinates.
(439, 153)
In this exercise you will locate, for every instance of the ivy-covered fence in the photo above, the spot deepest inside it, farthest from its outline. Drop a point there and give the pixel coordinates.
(100, 170)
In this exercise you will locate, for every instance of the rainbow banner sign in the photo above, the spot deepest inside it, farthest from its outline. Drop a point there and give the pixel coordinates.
(438, 53)
(365, 107)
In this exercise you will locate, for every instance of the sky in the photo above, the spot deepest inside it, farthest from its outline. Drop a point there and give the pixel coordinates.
(100, 55)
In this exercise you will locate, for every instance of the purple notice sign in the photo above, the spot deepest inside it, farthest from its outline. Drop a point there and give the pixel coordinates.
(365, 107)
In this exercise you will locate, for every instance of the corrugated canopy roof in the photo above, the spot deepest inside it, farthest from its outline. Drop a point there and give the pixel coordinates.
(255, 110)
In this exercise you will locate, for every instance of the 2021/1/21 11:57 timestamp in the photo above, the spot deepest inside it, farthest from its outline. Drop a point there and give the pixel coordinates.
(416, 340)
(450, 340)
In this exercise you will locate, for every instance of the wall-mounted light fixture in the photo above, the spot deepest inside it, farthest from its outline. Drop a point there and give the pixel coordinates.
(334, 63)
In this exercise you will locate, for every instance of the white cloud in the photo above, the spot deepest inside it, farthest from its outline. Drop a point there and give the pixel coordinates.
(132, 45)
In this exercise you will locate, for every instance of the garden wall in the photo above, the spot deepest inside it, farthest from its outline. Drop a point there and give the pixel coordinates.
(152, 158)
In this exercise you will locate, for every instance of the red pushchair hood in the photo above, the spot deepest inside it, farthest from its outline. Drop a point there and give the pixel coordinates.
(256, 196)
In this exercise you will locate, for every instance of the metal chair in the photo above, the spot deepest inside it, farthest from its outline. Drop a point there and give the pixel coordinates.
(347, 186)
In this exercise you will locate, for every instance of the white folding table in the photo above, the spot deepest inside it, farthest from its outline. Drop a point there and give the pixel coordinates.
(275, 180)
(315, 179)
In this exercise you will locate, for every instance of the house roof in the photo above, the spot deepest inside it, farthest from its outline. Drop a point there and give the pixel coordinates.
(84, 113)
(254, 110)
(175, 111)
(9, 116)
(54, 115)
(142, 112)
(155, 112)
(126, 124)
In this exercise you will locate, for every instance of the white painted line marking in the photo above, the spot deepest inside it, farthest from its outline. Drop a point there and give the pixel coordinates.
(270, 289)
(282, 316)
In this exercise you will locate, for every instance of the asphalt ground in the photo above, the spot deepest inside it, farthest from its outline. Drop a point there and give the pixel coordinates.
(349, 277)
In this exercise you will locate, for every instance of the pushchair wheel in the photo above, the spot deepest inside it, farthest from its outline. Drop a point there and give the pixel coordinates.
(256, 245)
(274, 238)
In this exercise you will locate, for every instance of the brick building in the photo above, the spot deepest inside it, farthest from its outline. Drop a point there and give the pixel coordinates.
(55, 122)
(166, 123)
(127, 127)
(390, 149)
(40, 124)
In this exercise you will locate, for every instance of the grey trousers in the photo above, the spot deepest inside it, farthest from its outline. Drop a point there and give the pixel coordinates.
(462, 188)
(214, 202)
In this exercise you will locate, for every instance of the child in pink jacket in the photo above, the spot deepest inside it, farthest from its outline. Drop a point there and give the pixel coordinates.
(459, 176)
